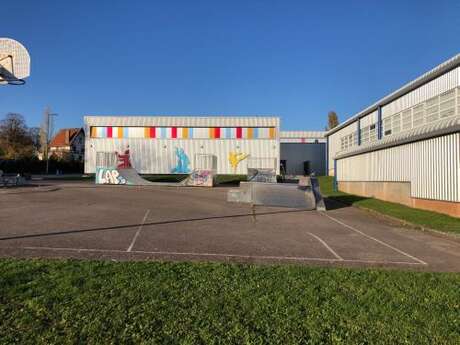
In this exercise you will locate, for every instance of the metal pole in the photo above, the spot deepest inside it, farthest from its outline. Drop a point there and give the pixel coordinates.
(48, 115)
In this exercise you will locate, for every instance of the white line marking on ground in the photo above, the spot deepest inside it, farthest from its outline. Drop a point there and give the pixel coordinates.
(375, 239)
(223, 255)
(327, 246)
(138, 231)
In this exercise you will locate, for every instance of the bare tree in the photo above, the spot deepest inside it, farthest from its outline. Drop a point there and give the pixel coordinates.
(332, 120)
(15, 137)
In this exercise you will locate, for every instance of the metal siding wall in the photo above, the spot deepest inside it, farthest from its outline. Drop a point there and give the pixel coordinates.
(434, 88)
(431, 166)
(369, 119)
(334, 142)
(155, 156)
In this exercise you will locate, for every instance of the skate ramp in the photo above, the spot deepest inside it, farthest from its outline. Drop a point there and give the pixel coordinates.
(262, 175)
(200, 178)
(301, 196)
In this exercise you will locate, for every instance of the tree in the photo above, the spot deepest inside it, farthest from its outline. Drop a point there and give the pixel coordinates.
(332, 120)
(15, 137)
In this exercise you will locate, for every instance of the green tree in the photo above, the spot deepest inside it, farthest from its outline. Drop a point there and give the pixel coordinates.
(16, 139)
(332, 120)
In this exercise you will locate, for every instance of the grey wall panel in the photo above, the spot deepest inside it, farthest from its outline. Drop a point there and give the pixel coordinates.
(295, 154)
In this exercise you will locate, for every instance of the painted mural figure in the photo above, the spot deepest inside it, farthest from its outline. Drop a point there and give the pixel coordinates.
(235, 158)
(123, 159)
(183, 162)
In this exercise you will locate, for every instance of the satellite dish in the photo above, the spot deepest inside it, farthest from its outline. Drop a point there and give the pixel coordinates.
(14, 62)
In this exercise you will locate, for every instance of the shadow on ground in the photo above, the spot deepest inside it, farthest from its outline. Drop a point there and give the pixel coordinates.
(341, 201)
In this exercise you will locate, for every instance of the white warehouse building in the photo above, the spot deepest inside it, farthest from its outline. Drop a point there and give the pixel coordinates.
(405, 148)
(156, 142)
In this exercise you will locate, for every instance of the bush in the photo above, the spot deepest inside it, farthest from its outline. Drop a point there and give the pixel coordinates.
(35, 166)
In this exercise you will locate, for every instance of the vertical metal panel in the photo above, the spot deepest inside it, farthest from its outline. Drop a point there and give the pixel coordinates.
(155, 156)
(432, 167)
(334, 142)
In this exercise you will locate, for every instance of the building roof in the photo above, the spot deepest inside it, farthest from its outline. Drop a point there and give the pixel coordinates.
(439, 70)
(183, 121)
(64, 137)
(303, 134)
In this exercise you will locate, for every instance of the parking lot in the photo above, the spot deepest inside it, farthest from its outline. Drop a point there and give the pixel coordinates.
(79, 220)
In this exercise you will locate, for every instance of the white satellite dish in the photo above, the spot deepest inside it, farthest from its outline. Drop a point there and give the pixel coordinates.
(14, 62)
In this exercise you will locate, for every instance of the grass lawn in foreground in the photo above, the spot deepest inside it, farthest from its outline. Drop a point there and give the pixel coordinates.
(417, 217)
(94, 302)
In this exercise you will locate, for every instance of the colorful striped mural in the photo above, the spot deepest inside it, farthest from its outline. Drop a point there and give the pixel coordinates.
(184, 132)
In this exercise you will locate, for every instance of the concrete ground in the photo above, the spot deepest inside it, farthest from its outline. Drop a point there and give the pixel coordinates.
(80, 220)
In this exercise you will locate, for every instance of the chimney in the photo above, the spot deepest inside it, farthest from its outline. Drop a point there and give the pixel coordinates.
(67, 141)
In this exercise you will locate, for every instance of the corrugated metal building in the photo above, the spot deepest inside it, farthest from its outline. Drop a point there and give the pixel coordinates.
(155, 142)
(303, 152)
(405, 147)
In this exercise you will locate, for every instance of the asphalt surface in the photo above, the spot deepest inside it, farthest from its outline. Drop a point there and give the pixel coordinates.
(80, 220)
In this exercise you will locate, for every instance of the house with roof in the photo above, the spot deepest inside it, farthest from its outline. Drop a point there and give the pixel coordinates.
(68, 143)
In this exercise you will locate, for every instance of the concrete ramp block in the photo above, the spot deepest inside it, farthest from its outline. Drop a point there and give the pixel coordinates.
(274, 194)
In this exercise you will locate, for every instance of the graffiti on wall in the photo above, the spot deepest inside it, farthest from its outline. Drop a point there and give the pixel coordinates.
(109, 176)
(235, 158)
(202, 178)
(124, 160)
(183, 162)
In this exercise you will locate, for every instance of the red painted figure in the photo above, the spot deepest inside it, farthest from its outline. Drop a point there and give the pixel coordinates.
(123, 159)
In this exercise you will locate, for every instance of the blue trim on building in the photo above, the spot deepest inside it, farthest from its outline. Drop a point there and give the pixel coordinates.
(379, 123)
(359, 131)
(335, 176)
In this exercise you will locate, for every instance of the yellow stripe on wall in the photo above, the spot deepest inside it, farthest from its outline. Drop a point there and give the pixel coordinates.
(93, 132)
(272, 133)
(211, 133)
(146, 132)
(120, 132)
(250, 133)
(185, 133)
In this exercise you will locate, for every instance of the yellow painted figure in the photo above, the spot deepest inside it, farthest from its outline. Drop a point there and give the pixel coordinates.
(235, 158)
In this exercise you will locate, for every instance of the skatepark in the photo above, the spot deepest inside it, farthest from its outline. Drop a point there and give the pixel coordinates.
(80, 220)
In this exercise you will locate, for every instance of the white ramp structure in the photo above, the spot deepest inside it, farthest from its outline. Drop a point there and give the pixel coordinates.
(14, 62)
(115, 168)
(304, 195)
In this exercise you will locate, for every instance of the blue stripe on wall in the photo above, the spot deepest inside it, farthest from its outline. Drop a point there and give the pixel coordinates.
(125, 132)
(255, 133)
(190, 132)
(163, 132)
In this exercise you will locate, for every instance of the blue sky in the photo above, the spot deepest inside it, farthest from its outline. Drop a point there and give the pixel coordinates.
(295, 59)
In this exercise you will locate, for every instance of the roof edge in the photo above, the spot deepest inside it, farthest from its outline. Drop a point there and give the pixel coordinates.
(432, 74)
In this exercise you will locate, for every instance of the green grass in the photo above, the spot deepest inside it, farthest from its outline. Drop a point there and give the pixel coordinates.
(417, 217)
(92, 302)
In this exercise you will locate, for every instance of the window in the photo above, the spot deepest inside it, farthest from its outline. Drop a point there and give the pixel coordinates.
(348, 141)
(406, 119)
(431, 109)
(387, 126)
(418, 115)
(447, 104)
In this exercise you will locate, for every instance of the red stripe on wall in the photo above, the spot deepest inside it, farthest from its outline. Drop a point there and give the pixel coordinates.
(152, 132)
(217, 133)
(173, 132)
(239, 132)
(109, 132)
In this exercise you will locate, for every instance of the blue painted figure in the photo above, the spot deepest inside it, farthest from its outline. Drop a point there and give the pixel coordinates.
(183, 162)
